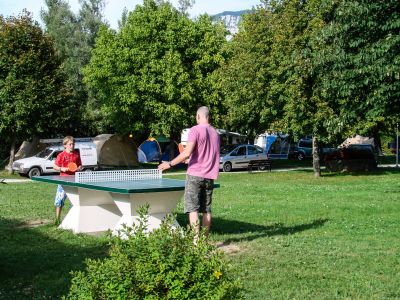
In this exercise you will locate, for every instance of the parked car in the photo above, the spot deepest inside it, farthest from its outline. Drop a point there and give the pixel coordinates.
(355, 157)
(303, 149)
(42, 163)
(239, 156)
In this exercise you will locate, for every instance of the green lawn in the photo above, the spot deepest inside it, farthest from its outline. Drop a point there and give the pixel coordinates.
(287, 234)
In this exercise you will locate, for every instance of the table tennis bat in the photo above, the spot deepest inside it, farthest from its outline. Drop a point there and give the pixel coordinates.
(72, 167)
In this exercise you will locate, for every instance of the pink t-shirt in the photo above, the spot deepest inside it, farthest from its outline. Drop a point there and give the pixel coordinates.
(204, 161)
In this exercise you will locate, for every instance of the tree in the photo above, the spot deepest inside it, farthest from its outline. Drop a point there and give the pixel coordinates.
(33, 95)
(154, 73)
(296, 23)
(268, 80)
(358, 63)
(74, 37)
(245, 77)
(345, 74)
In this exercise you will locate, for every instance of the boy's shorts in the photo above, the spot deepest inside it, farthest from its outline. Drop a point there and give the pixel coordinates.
(198, 194)
(59, 200)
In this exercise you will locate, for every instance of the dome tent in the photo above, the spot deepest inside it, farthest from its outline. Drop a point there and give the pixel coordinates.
(141, 156)
(29, 148)
(166, 155)
(165, 146)
(357, 140)
(115, 151)
(275, 144)
(151, 149)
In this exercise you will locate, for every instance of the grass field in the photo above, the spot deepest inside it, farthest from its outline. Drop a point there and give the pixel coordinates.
(287, 234)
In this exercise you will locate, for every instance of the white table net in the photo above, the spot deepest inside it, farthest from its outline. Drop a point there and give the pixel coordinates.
(121, 175)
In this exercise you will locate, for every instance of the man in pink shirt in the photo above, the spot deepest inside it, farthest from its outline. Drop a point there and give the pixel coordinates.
(202, 149)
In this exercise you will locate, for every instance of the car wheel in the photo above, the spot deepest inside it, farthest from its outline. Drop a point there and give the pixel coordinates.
(227, 167)
(301, 156)
(34, 172)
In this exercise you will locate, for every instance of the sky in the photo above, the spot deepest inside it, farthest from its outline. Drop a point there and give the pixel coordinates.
(113, 9)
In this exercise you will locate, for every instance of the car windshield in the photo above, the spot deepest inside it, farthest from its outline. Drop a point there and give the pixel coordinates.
(44, 153)
(305, 144)
(226, 149)
(259, 149)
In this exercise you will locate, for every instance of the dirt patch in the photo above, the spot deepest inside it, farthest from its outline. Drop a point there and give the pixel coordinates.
(34, 223)
(227, 247)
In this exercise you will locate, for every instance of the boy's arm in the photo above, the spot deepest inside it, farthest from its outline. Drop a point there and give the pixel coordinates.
(60, 169)
(57, 164)
(79, 163)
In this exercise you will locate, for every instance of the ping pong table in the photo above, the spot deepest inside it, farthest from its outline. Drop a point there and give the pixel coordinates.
(106, 200)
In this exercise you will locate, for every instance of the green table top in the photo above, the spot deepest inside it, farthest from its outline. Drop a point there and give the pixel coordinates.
(123, 187)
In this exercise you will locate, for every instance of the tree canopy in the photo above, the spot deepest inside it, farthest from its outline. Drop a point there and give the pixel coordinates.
(316, 67)
(153, 74)
(74, 37)
(358, 64)
(33, 95)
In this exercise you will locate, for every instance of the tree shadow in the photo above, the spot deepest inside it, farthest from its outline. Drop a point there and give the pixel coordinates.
(34, 265)
(377, 172)
(248, 231)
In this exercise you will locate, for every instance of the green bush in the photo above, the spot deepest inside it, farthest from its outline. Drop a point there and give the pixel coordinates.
(162, 264)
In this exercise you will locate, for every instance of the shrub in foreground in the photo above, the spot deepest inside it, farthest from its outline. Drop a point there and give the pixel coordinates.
(162, 264)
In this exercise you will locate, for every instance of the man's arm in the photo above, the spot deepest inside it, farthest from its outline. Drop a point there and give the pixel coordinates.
(180, 158)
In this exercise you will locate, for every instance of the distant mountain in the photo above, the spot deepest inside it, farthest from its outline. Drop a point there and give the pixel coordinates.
(231, 19)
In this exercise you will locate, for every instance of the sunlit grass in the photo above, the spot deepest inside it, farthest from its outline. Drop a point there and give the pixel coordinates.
(287, 234)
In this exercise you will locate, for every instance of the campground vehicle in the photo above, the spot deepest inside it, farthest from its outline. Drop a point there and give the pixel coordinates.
(226, 137)
(275, 144)
(303, 149)
(239, 156)
(354, 157)
(103, 152)
(42, 163)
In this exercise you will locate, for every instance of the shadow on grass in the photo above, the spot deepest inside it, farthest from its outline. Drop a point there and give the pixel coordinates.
(377, 172)
(249, 231)
(34, 265)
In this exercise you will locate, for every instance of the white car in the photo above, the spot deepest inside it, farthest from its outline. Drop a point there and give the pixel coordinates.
(239, 156)
(42, 163)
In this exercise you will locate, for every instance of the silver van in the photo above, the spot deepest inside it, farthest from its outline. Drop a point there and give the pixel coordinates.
(239, 156)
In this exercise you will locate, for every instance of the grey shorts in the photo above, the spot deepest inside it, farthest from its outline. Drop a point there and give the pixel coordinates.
(198, 194)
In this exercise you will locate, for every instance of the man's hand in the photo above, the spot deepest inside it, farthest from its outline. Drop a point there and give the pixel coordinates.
(165, 165)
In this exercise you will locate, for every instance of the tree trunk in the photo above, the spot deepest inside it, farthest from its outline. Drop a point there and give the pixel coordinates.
(173, 137)
(12, 156)
(316, 159)
(171, 153)
(378, 143)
